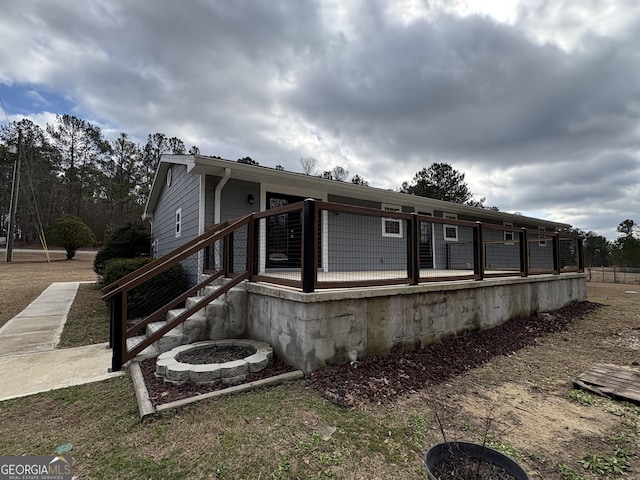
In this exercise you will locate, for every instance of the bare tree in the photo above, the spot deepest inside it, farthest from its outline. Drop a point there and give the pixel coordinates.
(309, 165)
(340, 174)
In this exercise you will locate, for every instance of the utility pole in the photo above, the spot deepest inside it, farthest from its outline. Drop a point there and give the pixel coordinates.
(13, 207)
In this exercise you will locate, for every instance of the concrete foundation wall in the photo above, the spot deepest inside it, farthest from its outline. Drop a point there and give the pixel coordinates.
(312, 330)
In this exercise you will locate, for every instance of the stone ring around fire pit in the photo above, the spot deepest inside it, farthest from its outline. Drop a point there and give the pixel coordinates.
(232, 372)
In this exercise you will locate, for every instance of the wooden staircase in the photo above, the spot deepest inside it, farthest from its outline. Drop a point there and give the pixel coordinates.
(210, 322)
(192, 315)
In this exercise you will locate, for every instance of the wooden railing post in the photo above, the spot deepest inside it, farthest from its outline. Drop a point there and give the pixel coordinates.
(413, 249)
(255, 249)
(229, 253)
(524, 252)
(555, 242)
(309, 246)
(116, 340)
(478, 251)
(250, 245)
(580, 254)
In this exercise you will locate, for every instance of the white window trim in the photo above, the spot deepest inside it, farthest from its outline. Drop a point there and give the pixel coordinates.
(509, 237)
(178, 228)
(542, 242)
(450, 216)
(391, 208)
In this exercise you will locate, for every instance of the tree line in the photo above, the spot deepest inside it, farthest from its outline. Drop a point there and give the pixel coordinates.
(69, 167)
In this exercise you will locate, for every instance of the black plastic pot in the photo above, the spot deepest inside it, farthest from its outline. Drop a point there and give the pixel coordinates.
(441, 452)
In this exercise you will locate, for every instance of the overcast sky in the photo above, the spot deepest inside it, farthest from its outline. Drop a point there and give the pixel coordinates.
(536, 101)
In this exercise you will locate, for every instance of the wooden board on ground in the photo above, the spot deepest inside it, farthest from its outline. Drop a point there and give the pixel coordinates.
(611, 381)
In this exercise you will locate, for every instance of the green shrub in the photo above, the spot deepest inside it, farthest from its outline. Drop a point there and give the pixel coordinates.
(154, 293)
(69, 232)
(128, 241)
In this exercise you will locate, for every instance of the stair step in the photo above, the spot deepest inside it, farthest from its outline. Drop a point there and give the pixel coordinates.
(208, 290)
(191, 330)
(155, 326)
(192, 301)
(150, 351)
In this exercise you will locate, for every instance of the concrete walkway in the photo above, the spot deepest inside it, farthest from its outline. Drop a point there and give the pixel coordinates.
(29, 362)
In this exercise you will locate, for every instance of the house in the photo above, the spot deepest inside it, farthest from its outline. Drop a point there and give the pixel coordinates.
(337, 271)
(192, 193)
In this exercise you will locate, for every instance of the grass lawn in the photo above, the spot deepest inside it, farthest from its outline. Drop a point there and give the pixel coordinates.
(88, 319)
(280, 433)
(290, 432)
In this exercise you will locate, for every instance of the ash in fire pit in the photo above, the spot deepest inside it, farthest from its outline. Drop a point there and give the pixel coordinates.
(211, 362)
(214, 354)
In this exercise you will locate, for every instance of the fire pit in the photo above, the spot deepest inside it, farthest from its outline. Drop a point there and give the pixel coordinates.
(213, 361)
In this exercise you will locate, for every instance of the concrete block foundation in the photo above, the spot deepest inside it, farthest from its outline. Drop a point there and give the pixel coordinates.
(311, 330)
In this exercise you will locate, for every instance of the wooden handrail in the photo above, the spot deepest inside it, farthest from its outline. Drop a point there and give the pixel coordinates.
(118, 294)
(121, 281)
(173, 258)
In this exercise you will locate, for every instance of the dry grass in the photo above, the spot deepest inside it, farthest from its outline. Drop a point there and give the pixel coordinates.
(290, 432)
(88, 319)
(29, 273)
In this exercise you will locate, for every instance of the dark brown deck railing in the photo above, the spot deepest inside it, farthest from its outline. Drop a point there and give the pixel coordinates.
(123, 327)
(317, 245)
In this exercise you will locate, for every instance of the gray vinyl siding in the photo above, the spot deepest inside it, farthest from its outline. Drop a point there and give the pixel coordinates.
(234, 204)
(234, 199)
(183, 194)
(500, 254)
(348, 233)
(540, 256)
(452, 254)
(356, 243)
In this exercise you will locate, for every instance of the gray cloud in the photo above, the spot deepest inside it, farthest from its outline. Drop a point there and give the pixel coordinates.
(542, 114)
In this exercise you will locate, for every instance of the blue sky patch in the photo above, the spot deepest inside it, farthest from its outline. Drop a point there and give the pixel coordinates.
(27, 99)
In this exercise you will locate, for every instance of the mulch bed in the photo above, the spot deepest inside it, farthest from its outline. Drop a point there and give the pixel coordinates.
(383, 379)
(161, 392)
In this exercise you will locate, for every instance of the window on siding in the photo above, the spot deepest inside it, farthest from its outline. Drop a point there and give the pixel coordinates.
(542, 238)
(451, 231)
(178, 222)
(509, 236)
(391, 227)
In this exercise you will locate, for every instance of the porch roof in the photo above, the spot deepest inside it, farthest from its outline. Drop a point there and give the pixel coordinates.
(200, 165)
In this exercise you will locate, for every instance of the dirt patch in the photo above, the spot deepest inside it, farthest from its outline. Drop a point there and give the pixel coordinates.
(550, 422)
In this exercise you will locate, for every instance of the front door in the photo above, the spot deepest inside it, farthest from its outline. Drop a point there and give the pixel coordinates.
(284, 233)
